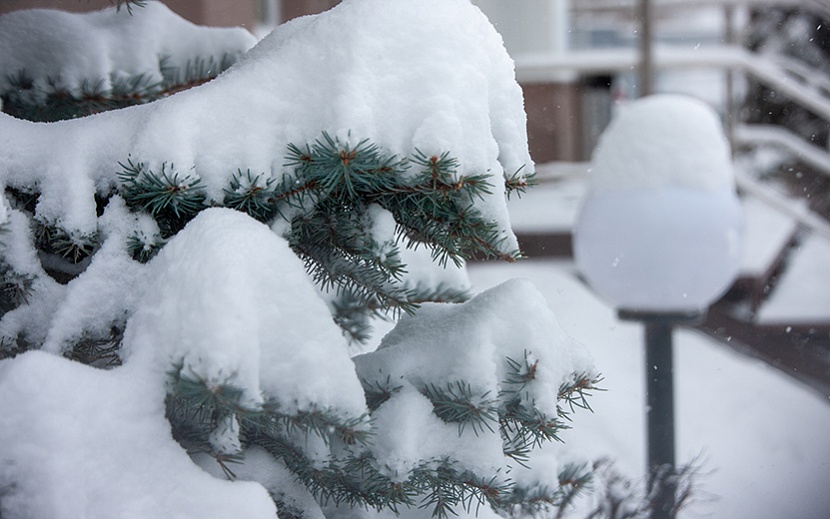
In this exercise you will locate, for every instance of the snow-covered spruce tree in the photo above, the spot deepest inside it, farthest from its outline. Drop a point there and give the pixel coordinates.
(185, 283)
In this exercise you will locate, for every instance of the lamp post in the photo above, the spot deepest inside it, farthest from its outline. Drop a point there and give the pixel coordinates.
(659, 234)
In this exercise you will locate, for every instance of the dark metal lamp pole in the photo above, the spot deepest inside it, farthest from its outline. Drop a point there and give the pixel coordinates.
(660, 404)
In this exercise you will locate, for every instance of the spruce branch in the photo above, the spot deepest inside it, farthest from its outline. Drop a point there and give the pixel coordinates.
(129, 4)
(541, 500)
(352, 314)
(439, 174)
(574, 480)
(576, 391)
(325, 425)
(172, 199)
(23, 199)
(432, 207)
(224, 460)
(520, 373)
(15, 288)
(519, 183)
(12, 347)
(143, 248)
(333, 263)
(377, 393)
(73, 246)
(457, 403)
(442, 293)
(251, 194)
(50, 99)
(195, 72)
(207, 403)
(444, 487)
(352, 481)
(101, 352)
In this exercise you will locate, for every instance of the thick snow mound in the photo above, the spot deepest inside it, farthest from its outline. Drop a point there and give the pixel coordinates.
(431, 75)
(663, 140)
(78, 442)
(80, 51)
(445, 344)
(217, 309)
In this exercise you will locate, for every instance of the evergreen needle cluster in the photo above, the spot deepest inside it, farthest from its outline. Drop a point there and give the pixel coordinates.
(326, 196)
(52, 99)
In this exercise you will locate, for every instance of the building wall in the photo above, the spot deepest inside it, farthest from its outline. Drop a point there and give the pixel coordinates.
(553, 121)
(293, 8)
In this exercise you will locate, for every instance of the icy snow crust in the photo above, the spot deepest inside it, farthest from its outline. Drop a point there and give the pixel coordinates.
(405, 74)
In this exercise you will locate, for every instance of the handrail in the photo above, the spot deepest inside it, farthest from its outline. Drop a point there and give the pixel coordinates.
(800, 213)
(545, 68)
(816, 79)
(630, 5)
(779, 136)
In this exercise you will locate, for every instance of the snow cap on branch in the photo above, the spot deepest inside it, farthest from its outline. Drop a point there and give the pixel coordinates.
(216, 310)
(94, 51)
(431, 75)
(502, 345)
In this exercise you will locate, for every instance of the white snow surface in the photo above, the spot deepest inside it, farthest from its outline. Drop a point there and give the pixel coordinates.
(96, 49)
(231, 304)
(215, 305)
(797, 298)
(76, 441)
(445, 344)
(663, 140)
(670, 249)
(351, 72)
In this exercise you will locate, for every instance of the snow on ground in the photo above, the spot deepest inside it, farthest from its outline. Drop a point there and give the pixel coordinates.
(797, 298)
(762, 437)
(767, 233)
(549, 207)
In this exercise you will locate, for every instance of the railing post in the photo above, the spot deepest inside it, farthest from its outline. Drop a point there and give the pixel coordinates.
(646, 71)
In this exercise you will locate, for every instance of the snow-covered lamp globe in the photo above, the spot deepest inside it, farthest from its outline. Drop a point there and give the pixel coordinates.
(659, 233)
(661, 227)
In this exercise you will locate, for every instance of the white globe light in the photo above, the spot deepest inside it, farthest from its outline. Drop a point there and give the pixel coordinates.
(661, 227)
